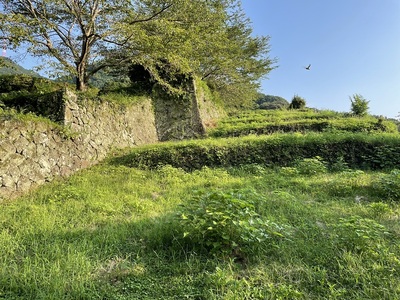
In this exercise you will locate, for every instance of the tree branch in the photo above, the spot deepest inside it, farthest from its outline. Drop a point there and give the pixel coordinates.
(152, 16)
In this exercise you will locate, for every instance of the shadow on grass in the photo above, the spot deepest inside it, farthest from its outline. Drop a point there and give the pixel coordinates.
(109, 260)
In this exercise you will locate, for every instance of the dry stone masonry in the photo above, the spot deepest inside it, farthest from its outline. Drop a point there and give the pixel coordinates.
(33, 152)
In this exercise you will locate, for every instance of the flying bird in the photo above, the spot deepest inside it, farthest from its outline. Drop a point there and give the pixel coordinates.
(308, 67)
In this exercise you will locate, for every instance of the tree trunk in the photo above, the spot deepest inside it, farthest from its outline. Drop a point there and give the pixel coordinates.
(81, 78)
(80, 84)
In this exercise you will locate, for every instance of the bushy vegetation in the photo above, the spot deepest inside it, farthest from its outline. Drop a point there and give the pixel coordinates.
(297, 103)
(359, 105)
(271, 102)
(285, 216)
(31, 94)
(268, 122)
(389, 185)
(311, 166)
(227, 223)
(379, 151)
(113, 232)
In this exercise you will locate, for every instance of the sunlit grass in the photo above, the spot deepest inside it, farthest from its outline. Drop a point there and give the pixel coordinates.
(109, 233)
(279, 121)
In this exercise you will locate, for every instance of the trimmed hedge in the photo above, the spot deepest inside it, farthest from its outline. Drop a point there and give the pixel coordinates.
(367, 151)
(306, 120)
(353, 124)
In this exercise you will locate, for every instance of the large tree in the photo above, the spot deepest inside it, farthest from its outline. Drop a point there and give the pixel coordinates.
(74, 34)
(182, 36)
(212, 39)
(239, 60)
(208, 38)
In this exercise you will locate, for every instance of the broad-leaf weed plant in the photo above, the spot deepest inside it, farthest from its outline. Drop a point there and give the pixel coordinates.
(227, 223)
(244, 232)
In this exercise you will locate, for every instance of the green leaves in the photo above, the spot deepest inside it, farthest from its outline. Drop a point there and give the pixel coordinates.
(227, 223)
(359, 105)
(389, 185)
(359, 234)
(210, 39)
(311, 166)
(297, 103)
(353, 150)
(72, 34)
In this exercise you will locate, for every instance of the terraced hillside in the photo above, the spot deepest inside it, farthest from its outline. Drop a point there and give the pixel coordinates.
(361, 142)
(281, 121)
(296, 215)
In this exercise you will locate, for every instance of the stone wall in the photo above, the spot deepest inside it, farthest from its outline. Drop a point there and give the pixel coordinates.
(34, 151)
(186, 116)
(177, 118)
(104, 124)
(208, 111)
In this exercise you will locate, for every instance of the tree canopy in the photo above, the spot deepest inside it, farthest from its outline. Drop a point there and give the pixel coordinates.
(211, 39)
(297, 102)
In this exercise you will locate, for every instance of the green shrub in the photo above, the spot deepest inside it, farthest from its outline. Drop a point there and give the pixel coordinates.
(359, 105)
(311, 166)
(340, 165)
(289, 171)
(254, 169)
(297, 103)
(9, 83)
(357, 150)
(226, 223)
(271, 102)
(32, 94)
(379, 209)
(382, 156)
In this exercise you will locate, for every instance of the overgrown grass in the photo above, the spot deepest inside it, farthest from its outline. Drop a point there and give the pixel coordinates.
(280, 121)
(113, 232)
(260, 217)
(368, 151)
(27, 93)
(10, 114)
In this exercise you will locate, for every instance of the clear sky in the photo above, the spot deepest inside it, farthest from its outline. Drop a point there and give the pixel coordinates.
(353, 47)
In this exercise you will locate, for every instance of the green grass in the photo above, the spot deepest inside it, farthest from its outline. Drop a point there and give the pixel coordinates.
(279, 121)
(119, 232)
(359, 150)
(10, 114)
(111, 232)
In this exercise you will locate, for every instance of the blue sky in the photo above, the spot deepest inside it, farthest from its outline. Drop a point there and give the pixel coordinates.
(353, 47)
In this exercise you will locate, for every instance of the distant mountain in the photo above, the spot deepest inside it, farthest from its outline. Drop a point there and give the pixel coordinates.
(8, 67)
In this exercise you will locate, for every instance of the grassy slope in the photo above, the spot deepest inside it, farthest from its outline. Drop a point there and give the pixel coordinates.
(267, 122)
(110, 232)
